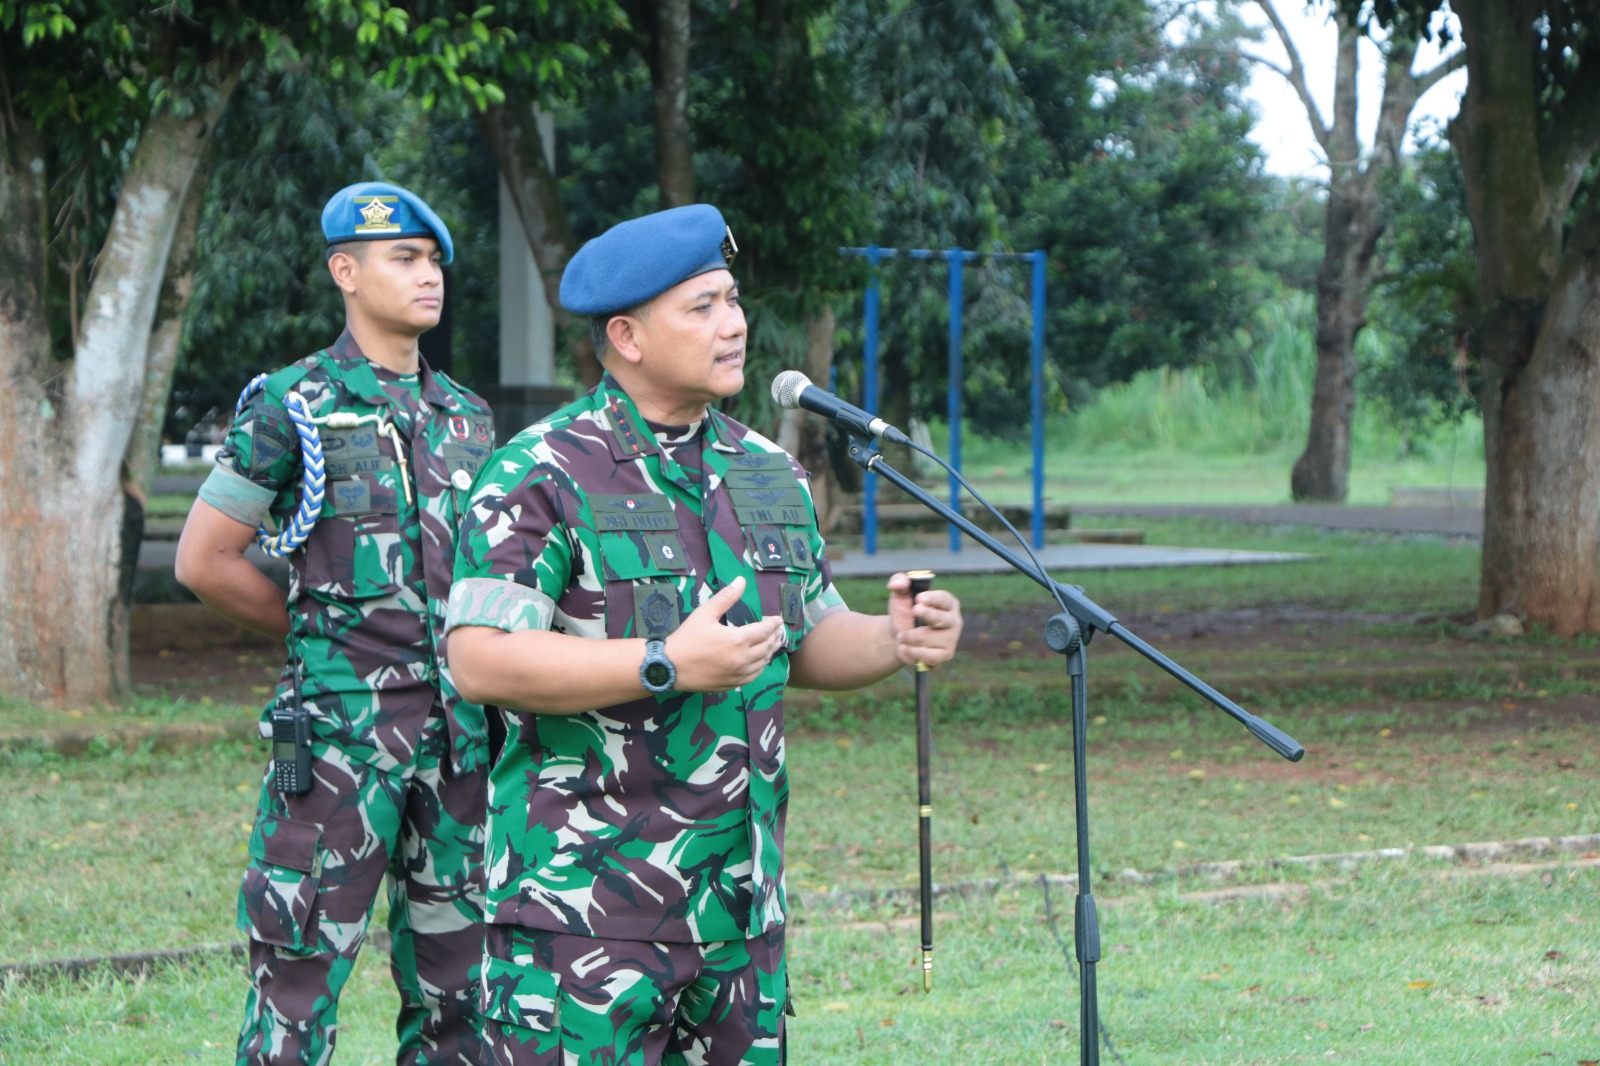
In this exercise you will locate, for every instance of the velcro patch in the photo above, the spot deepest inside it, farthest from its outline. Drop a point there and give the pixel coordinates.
(358, 443)
(655, 610)
(761, 479)
(769, 548)
(753, 515)
(792, 603)
(647, 511)
(761, 461)
(789, 496)
(800, 554)
(351, 496)
(667, 552)
(350, 466)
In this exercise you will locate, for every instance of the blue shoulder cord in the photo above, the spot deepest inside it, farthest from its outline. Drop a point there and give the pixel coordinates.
(313, 474)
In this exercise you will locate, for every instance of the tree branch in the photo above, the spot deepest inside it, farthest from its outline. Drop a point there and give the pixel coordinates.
(1296, 77)
(1569, 143)
(1446, 67)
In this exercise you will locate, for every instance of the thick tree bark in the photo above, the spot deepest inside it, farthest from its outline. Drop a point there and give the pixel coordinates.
(512, 130)
(61, 477)
(1538, 342)
(670, 80)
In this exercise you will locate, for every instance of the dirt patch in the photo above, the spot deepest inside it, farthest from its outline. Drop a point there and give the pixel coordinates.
(223, 674)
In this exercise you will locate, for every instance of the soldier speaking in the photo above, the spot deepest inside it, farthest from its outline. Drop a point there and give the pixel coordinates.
(380, 766)
(639, 579)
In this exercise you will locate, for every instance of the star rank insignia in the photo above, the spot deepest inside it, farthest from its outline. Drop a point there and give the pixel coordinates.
(376, 213)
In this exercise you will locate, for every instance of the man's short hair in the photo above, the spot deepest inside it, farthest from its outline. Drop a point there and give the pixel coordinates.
(598, 324)
(356, 250)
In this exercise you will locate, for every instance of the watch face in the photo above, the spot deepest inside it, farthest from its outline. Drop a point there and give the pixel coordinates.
(657, 675)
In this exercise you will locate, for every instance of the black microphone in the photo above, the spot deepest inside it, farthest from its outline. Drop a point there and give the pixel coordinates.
(792, 389)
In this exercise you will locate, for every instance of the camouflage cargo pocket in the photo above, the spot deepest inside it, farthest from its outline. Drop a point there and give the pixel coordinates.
(646, 575)
(280, 884)
(352, 553)
(521, 1008)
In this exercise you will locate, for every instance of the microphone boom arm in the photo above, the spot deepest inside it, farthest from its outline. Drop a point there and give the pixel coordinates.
(1081, 607)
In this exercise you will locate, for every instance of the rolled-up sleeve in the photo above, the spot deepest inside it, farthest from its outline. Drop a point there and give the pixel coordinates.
(513, 561)
(237, 496)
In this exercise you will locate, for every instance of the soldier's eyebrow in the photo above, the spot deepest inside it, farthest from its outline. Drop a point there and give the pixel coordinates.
(712, 294)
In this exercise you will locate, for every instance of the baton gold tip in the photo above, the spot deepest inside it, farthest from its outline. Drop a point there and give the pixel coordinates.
(927, 971)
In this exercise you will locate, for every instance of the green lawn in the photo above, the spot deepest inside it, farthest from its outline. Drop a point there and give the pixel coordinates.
(1391, 967)
(1413, 737)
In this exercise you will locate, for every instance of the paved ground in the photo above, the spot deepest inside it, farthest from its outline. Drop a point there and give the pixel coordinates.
(1060, 559)
(1057, 559)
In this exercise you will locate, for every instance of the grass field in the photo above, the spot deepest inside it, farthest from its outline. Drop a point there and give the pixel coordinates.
(1389, 967)
(1414, 737)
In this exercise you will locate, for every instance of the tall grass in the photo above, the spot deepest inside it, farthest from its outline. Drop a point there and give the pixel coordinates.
(1201, 436)
(1263, 408)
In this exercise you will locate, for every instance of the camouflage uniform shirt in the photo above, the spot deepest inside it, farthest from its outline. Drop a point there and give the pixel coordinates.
(368, 589)
(660, 819)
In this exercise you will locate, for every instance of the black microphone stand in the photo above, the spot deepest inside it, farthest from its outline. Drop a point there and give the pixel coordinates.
(1064, 634)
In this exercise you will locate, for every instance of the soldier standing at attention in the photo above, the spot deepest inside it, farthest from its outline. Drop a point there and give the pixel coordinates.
(399, 768)
(639, 578)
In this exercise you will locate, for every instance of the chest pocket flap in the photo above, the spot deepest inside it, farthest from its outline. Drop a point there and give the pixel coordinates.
(632, 556)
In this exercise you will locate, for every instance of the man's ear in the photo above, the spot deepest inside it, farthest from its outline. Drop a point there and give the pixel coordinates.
(623, 333)
(344, 268)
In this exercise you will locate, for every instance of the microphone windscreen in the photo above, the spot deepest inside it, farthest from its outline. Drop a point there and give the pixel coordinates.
(786, 388)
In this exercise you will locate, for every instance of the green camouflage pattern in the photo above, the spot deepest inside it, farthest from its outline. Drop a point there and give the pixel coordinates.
(317, 861)
(399, 758)
(660, 819)
(368, 590)
(556, 999)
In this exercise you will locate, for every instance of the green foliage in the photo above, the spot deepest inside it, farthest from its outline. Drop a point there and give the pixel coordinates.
(1149, 196)
(262, 296)
(777, 139)
(1426, 300)
(936, 86)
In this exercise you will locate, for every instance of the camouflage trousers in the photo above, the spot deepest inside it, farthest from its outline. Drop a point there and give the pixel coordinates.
(317, 862)
(558, 999)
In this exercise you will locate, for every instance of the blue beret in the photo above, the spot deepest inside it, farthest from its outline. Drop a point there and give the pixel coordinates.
(642, 258)
(378, 211)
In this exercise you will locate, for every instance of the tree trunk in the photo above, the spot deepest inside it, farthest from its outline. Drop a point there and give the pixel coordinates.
(806, 437)
(61, 485)
(1353, 225)
(1539, 340)
(670, 81)
(1343, 291)
(144, 451)
(1541, 425)
(512, 130)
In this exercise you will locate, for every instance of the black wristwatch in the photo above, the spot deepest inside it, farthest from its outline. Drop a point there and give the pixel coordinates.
(657, 673)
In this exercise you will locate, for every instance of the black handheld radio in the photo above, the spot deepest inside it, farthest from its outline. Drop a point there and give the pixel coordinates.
(291, 743)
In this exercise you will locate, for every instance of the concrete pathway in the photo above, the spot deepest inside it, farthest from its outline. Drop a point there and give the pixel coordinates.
(1058, 560)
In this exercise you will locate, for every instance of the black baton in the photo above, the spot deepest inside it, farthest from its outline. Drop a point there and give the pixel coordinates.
(921, 581)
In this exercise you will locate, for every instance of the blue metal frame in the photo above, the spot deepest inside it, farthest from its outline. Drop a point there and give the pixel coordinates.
(957, 260)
